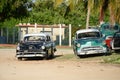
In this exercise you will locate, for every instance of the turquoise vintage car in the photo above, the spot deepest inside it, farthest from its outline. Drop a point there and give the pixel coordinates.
(89, 41)
(108, 31)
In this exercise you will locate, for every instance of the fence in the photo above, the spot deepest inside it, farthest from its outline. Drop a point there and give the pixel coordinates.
(8, 35)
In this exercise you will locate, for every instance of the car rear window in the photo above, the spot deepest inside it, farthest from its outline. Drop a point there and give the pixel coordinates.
(117, 35)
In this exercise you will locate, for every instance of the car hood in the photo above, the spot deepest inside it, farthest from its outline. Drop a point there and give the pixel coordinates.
(90, 41)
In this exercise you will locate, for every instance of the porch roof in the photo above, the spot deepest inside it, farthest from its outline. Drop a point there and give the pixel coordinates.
(42, 26)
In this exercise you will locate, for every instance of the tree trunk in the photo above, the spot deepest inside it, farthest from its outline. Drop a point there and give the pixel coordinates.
(88, 17)
(112, 19)
(101, 17)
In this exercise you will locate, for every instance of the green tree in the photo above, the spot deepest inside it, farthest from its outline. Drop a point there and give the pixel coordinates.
(108, 5)
(12, 8)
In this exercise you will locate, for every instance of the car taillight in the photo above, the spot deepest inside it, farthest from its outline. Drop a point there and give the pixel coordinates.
(108, 41)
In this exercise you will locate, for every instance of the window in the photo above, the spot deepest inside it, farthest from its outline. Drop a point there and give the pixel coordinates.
(48, 38)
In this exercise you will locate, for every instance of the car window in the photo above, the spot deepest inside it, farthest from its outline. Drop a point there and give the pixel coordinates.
(34, 38)
(116, 27)
(108, 27)
(88, 34)
(117, 35)
(48, 38)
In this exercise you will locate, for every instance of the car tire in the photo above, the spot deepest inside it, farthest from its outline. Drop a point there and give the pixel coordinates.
(82, 56)
(19, 58)
(51, 56)
(109, 51)
(46, 56)
(52, 53)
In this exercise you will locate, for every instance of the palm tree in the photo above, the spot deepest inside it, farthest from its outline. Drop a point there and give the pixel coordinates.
(117, 11)
(90, 5)
(102, 7)
(71, 4)
(114, 10)
(57, 2)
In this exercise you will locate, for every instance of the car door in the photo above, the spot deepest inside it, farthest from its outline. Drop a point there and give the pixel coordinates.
(49, 44)
(116, 40)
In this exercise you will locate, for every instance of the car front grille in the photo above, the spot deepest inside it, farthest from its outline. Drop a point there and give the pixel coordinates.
(32, 48)
(91, 48)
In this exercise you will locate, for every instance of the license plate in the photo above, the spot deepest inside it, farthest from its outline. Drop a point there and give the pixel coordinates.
(26, 51)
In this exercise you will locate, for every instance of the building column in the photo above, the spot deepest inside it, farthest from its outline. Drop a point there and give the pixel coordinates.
(35, 31)
(70, 35)
(7, 34)
(19, 34)
(27, 30)
(13, 35)
(1, 31)
(60, 34)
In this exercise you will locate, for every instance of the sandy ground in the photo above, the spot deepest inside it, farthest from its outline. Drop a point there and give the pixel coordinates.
(12, 69)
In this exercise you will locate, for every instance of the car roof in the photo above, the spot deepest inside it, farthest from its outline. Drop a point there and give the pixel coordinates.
(86, 30)
(35, 34)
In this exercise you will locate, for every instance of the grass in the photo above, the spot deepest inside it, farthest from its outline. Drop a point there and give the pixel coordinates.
(114, 58)
(66, 57)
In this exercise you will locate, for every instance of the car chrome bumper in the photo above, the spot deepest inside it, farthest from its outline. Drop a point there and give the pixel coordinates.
(30, 54)
(91, 52)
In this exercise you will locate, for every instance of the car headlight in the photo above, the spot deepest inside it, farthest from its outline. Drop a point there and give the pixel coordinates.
(104, 43)
(18, 48)
(78, 45)
(43, 47)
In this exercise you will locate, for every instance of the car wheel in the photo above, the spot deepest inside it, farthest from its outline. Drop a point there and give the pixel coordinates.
(109, 52)
(82, 56)
(46, 56)
(75, 52)
(52, 54)
(19, 58)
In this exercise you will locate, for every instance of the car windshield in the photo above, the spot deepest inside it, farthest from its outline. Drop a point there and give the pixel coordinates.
(88, 34)
(34, 38)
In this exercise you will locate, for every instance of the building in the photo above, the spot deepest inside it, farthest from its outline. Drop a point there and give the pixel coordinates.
(57, 31)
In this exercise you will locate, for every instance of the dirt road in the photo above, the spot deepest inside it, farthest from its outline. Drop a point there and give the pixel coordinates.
(12, 69)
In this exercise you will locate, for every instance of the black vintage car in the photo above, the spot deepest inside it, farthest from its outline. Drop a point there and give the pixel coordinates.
(35, 45)
(116, 42)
